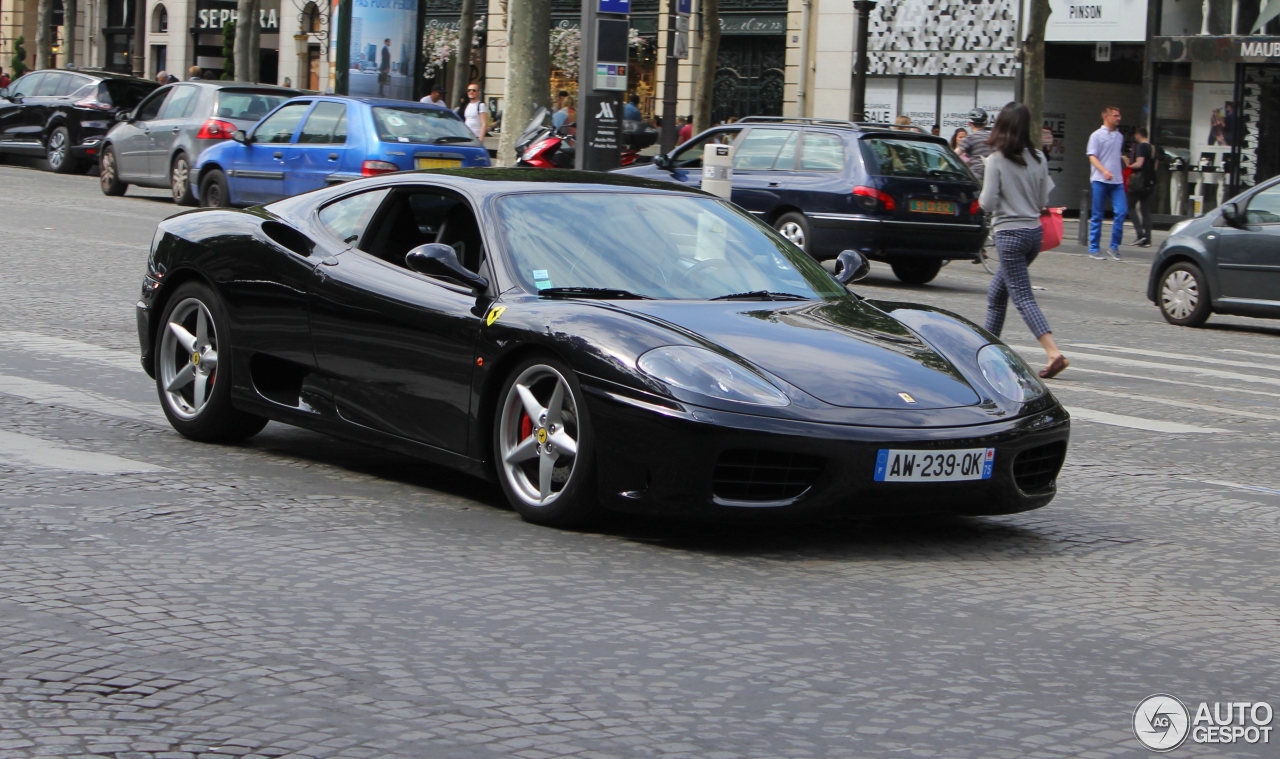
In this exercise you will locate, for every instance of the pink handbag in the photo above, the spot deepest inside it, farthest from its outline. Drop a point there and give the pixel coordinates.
(1051, 228)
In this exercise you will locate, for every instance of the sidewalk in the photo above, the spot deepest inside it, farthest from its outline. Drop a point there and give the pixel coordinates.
(1071, 227)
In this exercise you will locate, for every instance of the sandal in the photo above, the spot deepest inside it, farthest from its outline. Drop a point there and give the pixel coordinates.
(1055, 367)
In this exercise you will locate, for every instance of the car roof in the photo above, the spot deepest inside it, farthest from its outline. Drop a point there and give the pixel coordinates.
(377, 101)
(864, 128)
(221, 85)
(103, 74)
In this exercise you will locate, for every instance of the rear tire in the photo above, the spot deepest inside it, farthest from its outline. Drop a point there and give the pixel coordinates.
(109, 174)
(1184, 295)
(795, 227)
(180, 180)
(194, 358)
(916, 271)
(57, 151)
(214, 192)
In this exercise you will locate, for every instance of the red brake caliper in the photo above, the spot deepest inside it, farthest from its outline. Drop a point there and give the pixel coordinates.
(526, 426)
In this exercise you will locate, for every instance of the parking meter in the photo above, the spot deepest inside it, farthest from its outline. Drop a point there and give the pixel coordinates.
(717, 170)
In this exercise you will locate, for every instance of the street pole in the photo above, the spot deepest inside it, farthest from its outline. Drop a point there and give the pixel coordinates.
(342, 64)
(139, 60)
(858, 107)
(670, 85)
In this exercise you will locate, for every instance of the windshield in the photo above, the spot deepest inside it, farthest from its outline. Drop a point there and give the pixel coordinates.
(427, 125)
(535, 124)
(913, 158)
(248, 105)
(658, 246)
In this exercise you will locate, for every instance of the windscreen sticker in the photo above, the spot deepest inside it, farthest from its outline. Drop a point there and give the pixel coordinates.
(394, 120)
(540, 274)
(542, 284)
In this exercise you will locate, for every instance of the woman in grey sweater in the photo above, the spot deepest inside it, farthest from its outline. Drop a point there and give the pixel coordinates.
(1015, 189)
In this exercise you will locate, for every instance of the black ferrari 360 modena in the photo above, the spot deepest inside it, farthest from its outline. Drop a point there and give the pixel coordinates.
(590, 341)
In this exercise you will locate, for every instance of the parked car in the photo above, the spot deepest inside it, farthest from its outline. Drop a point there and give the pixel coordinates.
(1225, 262)
(311, 142)
(672, 355)
(64, 115)
(897, 195)
(155, 144)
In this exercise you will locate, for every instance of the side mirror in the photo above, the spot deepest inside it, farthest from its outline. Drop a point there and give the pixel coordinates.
(441, 261)
(240, 137)
(851, 266)
(1231, 214)
(124, 116)
(662, 161)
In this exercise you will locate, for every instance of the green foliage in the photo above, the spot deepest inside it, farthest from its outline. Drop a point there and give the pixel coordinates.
(17, 64)
(229, 50)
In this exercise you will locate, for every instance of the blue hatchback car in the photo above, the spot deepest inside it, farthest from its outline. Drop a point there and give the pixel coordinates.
(312, 142)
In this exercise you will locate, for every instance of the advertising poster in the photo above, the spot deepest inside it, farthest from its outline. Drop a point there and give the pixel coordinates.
(882, 99)
(1097, 21)
(1213, 122)
(384, 48)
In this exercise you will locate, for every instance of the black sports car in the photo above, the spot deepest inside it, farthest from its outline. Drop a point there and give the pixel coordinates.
(589, 340)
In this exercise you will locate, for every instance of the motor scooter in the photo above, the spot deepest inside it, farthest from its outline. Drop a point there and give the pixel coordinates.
(544, 146)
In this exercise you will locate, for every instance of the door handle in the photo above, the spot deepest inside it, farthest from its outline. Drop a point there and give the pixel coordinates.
(773, 184)
(177, 129)
(333, 156)
(277, 154)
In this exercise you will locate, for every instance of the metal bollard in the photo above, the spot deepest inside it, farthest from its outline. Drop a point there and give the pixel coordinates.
(1086, 209)
(717, 170)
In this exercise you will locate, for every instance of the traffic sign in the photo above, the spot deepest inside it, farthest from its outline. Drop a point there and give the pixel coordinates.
(614, 6)
(684, 7)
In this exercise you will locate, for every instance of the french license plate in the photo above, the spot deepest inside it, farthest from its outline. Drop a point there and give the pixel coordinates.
(437, 163)
(934, 466)
(933, 206)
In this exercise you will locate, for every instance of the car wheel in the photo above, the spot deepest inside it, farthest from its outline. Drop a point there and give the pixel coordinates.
(794, 227)
(109, 173)
(180, 181)
(57, 149)
(193, 369)
(1184, 295)
(214, 192)
(542, 445)
(916, 272)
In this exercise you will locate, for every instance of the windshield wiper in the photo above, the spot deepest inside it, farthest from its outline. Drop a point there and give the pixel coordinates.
(609, 293)
(451, 138)
(761, 295)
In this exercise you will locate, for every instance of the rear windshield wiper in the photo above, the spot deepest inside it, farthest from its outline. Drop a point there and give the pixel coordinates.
(761, 295)
(591, 292)
(451, 138)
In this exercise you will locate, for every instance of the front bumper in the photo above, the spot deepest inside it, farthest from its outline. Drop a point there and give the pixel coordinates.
(886, 238)
(663, 461)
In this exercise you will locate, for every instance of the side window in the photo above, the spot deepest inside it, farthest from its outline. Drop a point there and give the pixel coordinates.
(340, 129)
(760, 148)
(822, 151)
(181, 103)
(149, 109)
(52, 82)
(280, 126)
(27, 85)
(322, 122)
(1264, 208)
(422, 216)
(346, 219)
(67, 84)
(691, 157)
(786, 160)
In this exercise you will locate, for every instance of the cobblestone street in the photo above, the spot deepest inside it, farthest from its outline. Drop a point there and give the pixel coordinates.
(304, 596)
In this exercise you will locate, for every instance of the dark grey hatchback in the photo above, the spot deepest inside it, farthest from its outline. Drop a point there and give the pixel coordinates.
(1225, 262)
(897, 195)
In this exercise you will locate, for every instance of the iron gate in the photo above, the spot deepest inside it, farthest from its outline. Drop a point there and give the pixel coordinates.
(749, 77)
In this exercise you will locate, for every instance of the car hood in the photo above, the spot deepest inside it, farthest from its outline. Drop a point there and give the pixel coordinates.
(843, 352)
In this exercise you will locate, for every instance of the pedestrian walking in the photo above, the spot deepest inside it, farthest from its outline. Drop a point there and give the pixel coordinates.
(1015, 191)
(435, 97)
(4, 78)
(686, 131)
(1105, 147)
(475, 113)
(977, 146)
(631, 110)
(957, 136)
(1142, 184)
(384, 67)
(195, 74)
(162, 77)
(568, 113)
(902, 121)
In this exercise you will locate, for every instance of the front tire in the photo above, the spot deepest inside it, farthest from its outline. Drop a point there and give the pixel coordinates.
(915, 271)
(57, 151)
(543, 445)
(180, 180)
(214, 192)
(193, 369)
(795, 227)
(109, 174)
(1184, 295)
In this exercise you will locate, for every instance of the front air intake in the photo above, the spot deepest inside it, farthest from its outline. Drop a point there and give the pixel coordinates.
(764, 476)
(1036, 468)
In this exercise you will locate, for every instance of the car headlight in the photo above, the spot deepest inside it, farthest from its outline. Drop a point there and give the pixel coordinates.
(1176, 228)
(698, 370)
(1009, 375)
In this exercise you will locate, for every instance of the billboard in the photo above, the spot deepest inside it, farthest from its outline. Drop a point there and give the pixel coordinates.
(1097, 21)
(384, 48)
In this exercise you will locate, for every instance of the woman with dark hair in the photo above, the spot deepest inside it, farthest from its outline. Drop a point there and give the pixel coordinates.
(957, 136)
(1015, 190)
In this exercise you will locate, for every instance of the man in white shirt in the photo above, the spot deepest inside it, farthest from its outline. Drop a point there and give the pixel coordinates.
(476, 114)
(434, 98)
(1107, 181)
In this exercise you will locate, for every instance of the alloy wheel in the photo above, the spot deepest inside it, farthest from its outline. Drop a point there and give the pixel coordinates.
(1180, 294)
(793, 232)
(179, 179)
(57, 150)
(538, 435)
(107, 170)
(189, 358)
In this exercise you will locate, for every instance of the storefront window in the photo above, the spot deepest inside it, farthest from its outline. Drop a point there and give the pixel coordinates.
(1174, 97)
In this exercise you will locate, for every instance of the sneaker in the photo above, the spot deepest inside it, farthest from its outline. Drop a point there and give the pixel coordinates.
(1114, 253)
(1144, 243)
(1096, 255)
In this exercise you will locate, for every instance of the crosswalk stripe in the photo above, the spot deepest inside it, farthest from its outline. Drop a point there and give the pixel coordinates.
(1164, 401)
(1199, 370)
(1165, 380)
(1250, 353)
(63, 348)
(51, 394)
(1135, 422)
(1176, 356)
(32, 452)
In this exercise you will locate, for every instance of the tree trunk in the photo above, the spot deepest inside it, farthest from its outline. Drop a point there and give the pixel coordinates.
(1033, 65)
(462, 57)
(707, 65)
(244, 42)
(69, 11)
(255, 35)
(528, 70)
(44, 45)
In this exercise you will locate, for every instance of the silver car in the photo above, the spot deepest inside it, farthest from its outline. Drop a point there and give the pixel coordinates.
(156, 144)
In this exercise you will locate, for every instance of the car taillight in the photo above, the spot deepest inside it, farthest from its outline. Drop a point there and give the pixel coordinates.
(93, 103)
(975, 208)
(374, 168)
(872, 198)
(214, 129)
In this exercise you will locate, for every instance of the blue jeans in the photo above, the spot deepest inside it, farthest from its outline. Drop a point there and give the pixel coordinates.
(1119, 207)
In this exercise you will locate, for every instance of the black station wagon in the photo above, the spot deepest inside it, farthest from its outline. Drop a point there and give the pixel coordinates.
(894, 194)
